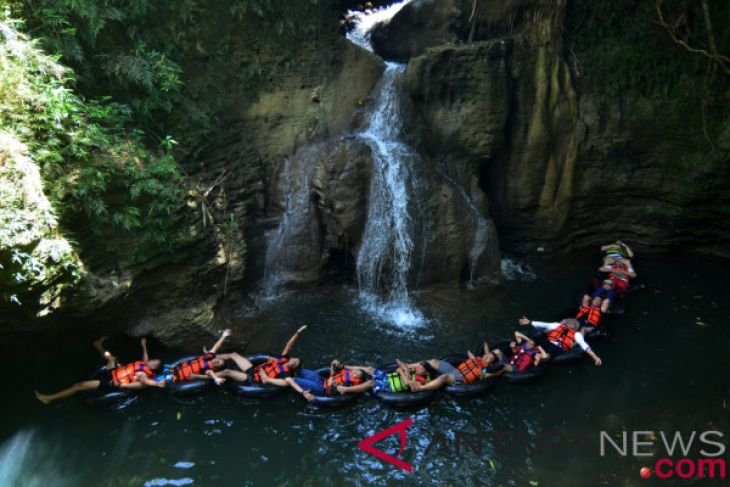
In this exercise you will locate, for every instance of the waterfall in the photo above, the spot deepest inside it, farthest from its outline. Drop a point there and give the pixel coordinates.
(295, 230)
(384, 258)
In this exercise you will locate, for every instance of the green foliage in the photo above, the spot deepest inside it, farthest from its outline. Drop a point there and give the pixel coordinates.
(95, 170)
(620, 46)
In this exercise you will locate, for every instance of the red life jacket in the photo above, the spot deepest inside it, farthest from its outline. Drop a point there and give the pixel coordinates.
(471, 369)
(592, 314)
(273, 367)
(125, 374)
(563, 336)
(183, 371)
(523, 359)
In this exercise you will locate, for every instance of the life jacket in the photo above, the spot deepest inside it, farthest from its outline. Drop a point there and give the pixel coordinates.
(563, 336)
(274, 367)
(183, 371)
(471, 369)
(616, 250)
(523, 359)
(397, 384)
(343, 378)
(125, 374)
(592, 315)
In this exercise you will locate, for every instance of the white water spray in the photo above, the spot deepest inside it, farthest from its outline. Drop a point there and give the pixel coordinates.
(384, 259)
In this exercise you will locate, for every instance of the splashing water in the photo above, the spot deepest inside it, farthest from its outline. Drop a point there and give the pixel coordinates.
(514, 270)
(365, 21)
(384, 259)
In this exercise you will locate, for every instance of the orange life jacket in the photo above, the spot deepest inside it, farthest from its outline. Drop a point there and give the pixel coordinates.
(273, 367)
(342, 378)
(592, 314)
(183, 371)
(471, 369)
(563, 335)
(126, 374)
(523, 359)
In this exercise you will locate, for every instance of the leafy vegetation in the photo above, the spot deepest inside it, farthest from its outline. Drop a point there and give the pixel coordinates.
(95, 170)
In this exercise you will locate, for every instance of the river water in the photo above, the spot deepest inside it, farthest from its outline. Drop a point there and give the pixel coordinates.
(665, 369)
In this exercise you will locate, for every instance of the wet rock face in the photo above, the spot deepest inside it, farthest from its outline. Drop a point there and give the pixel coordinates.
(460, 99)
(561, 168)
(420, 25)
(320, 200)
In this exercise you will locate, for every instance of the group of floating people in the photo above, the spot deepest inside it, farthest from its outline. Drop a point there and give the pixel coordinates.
(520, 360)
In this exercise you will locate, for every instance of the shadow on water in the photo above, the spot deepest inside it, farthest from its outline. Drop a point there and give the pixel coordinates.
(660, 373)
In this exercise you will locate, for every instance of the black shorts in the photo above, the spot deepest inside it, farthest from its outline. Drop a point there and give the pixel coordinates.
(549, 347)
(106, 382)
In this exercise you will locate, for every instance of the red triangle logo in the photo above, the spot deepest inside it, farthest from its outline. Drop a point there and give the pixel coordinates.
(366, 444)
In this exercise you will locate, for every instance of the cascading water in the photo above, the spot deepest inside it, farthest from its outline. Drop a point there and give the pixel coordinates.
(384, 259)
(296, 227)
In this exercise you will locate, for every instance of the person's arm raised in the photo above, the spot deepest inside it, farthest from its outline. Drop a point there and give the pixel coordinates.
(145, 355)
(226, 333)
(292, 340)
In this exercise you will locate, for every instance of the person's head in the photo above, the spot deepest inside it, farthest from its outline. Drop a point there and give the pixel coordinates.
(360, 374)
(596, 301)
(420, 369)
(607, 284)
(571, 323)
(154, 364)
(529, 344)
(294, 363)
(337, 365)
(217, 363)
(489, 358)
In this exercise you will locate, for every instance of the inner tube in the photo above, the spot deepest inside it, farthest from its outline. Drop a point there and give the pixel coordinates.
(404, 399)
(526, 377)
(596, 334)
(334, 401)
(188, 387)
(572, 356)
(115, 397)
(516, 377)
(467, 390)
(250, 388)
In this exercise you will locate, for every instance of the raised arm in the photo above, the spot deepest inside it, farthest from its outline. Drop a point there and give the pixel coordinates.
(226, 333)
(629, 252)
(145, 355)
(519, 337)
(293, 340)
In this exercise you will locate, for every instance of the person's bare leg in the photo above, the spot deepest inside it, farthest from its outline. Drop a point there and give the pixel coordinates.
(233, 374)
(242, 362)
(78, 387)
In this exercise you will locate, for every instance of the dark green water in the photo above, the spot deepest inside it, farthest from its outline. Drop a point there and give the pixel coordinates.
(662, 371)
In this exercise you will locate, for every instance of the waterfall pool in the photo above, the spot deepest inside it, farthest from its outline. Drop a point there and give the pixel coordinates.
(660, 373)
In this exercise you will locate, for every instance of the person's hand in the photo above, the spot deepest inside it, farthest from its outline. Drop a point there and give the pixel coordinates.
(161, 384)
(524, 321)
(226, 333)
(341, 389)
(308, 396)
(218, 380)
(302, 328)
(597, 361)
(143, 341)
(512, 344)
(205, 349)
